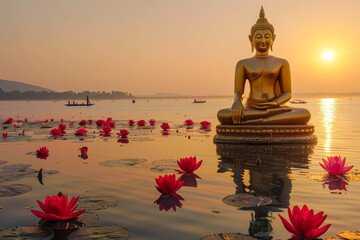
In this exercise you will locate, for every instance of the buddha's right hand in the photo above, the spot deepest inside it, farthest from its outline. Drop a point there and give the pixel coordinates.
(237, 111)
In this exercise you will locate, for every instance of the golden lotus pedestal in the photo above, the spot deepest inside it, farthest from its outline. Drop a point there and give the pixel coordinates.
(265, 134)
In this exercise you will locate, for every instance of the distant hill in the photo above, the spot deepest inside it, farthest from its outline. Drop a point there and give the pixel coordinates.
(9, 86)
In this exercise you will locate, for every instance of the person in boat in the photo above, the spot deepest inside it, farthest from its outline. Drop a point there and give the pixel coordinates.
(270, 85)
(87, 100)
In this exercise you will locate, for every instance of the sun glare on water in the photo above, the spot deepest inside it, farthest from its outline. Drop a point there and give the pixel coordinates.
(328, 55)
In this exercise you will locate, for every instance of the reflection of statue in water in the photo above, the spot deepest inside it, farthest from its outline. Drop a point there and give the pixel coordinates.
(270, 85)
(263, 170)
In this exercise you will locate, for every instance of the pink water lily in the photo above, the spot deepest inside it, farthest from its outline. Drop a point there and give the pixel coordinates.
(205, 124)
(4, 134)
(334, 165)
(123, 133)
(25, 120)
(62, 127)
(168, 184)
(56, 132)
(90, 121)
(152, 122)
(82, 122)
(141, 123)
(188, 165)
(71, 122)
(58, 208)
(9, 120)
(81, 132)
(165, 126)
(42, 152)
(131, 122)
(112, 124)
(99, 122)
(109, 119)
(189, 122)
(106, 131)
(304, 224)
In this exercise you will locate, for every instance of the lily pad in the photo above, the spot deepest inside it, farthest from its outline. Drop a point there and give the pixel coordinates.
(83, 220)
(164, 166)
(14, 189)
(122, 162)
(349, 235)
(101, 232)
(227, 236)
(16, 167)
(246, 200)
(93, 203)
(26, 233)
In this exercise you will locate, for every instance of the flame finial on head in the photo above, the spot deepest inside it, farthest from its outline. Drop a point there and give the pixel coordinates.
(262, 23)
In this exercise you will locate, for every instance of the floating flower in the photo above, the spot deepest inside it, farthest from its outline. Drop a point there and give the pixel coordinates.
(46, 120)
(99, 122)
(205, 124)
(61, 120)
(84, 151)
(25, 120)
(58, 208)
(188, 165)
(62, 127)
(152, 122)
(109, 119)
(9, 120)
(71, 122)
(106, 131)
(42, 153)
(51, 119)
(189, 122)
(23, 132)
(81, 132)
(165, 126)
(18, 121)
(5, 134)
(90, 121)
(141, 123)
(335, 165)
(56, 132)
(168, 184)
(131, 122)
(123, 133)
(166, 202)
(82, 122)
(112, 124)
(304, 224)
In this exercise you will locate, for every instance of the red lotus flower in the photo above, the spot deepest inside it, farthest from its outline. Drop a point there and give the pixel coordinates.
(5, 134)
(109, 119)
(25, 120)
(165, 126)
(168, 184)
(304, 224)
(100, 122)
(58, 208)
(62, 127)
(42, 153)
(61, 120)
(106, 131)
(9, 120)
(166, 202)
(205, 124)
(335, 165)
(188, 165)
(84, 151)
(81, 132)
(90, 121)
(131, 122)
(112, 124)
(141, 123)
(51, 119)
(18, 121)
(46, 120)
(82, 122)
(189, 122)
(71, 122)
(152, 122)
(123, 133)
(56, 132)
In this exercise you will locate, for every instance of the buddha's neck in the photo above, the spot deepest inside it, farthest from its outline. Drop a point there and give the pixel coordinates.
(262, 54)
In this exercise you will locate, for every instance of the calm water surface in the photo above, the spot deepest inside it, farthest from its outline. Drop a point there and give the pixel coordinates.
(283, 174)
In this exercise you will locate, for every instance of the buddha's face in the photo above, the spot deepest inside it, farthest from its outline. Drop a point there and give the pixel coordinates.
(262, 40)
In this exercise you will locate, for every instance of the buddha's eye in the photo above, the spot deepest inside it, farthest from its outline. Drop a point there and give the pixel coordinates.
(267, 36)
(258, 36)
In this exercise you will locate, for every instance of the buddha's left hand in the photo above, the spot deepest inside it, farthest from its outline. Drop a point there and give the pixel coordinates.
(266, 105)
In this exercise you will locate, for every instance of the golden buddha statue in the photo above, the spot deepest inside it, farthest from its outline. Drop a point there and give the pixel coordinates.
(270, 85)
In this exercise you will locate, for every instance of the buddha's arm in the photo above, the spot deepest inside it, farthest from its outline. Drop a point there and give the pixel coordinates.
(285, 84)
(237, 109)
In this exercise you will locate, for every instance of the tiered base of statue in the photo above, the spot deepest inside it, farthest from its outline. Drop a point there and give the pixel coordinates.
(266, 134)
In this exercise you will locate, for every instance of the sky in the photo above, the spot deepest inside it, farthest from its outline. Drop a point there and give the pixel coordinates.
(179, 46)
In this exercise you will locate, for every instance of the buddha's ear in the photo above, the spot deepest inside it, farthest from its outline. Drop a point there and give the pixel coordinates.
(273, 39)
(251, 42)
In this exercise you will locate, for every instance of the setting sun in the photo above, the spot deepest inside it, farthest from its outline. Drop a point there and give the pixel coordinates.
(328, 55)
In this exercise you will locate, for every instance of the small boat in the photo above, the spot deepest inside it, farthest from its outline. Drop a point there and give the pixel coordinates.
(75, 104)
(133, 101)
(298, 101)
(199, 101)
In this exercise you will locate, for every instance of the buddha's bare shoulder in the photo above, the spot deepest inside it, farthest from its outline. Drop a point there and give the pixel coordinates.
(281, 61)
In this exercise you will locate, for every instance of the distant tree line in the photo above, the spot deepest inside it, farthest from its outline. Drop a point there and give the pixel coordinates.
(68, 95)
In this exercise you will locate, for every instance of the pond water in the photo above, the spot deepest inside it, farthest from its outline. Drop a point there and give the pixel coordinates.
(125, 172)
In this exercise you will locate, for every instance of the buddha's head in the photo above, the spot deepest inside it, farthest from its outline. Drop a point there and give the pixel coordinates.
(262, 34)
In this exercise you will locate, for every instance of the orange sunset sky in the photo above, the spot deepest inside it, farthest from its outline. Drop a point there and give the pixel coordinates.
(174, 46)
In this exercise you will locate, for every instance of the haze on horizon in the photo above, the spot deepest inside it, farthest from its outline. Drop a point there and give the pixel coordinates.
(189, 47)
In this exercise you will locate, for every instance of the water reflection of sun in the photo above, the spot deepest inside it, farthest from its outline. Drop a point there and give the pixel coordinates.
(328, 108)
